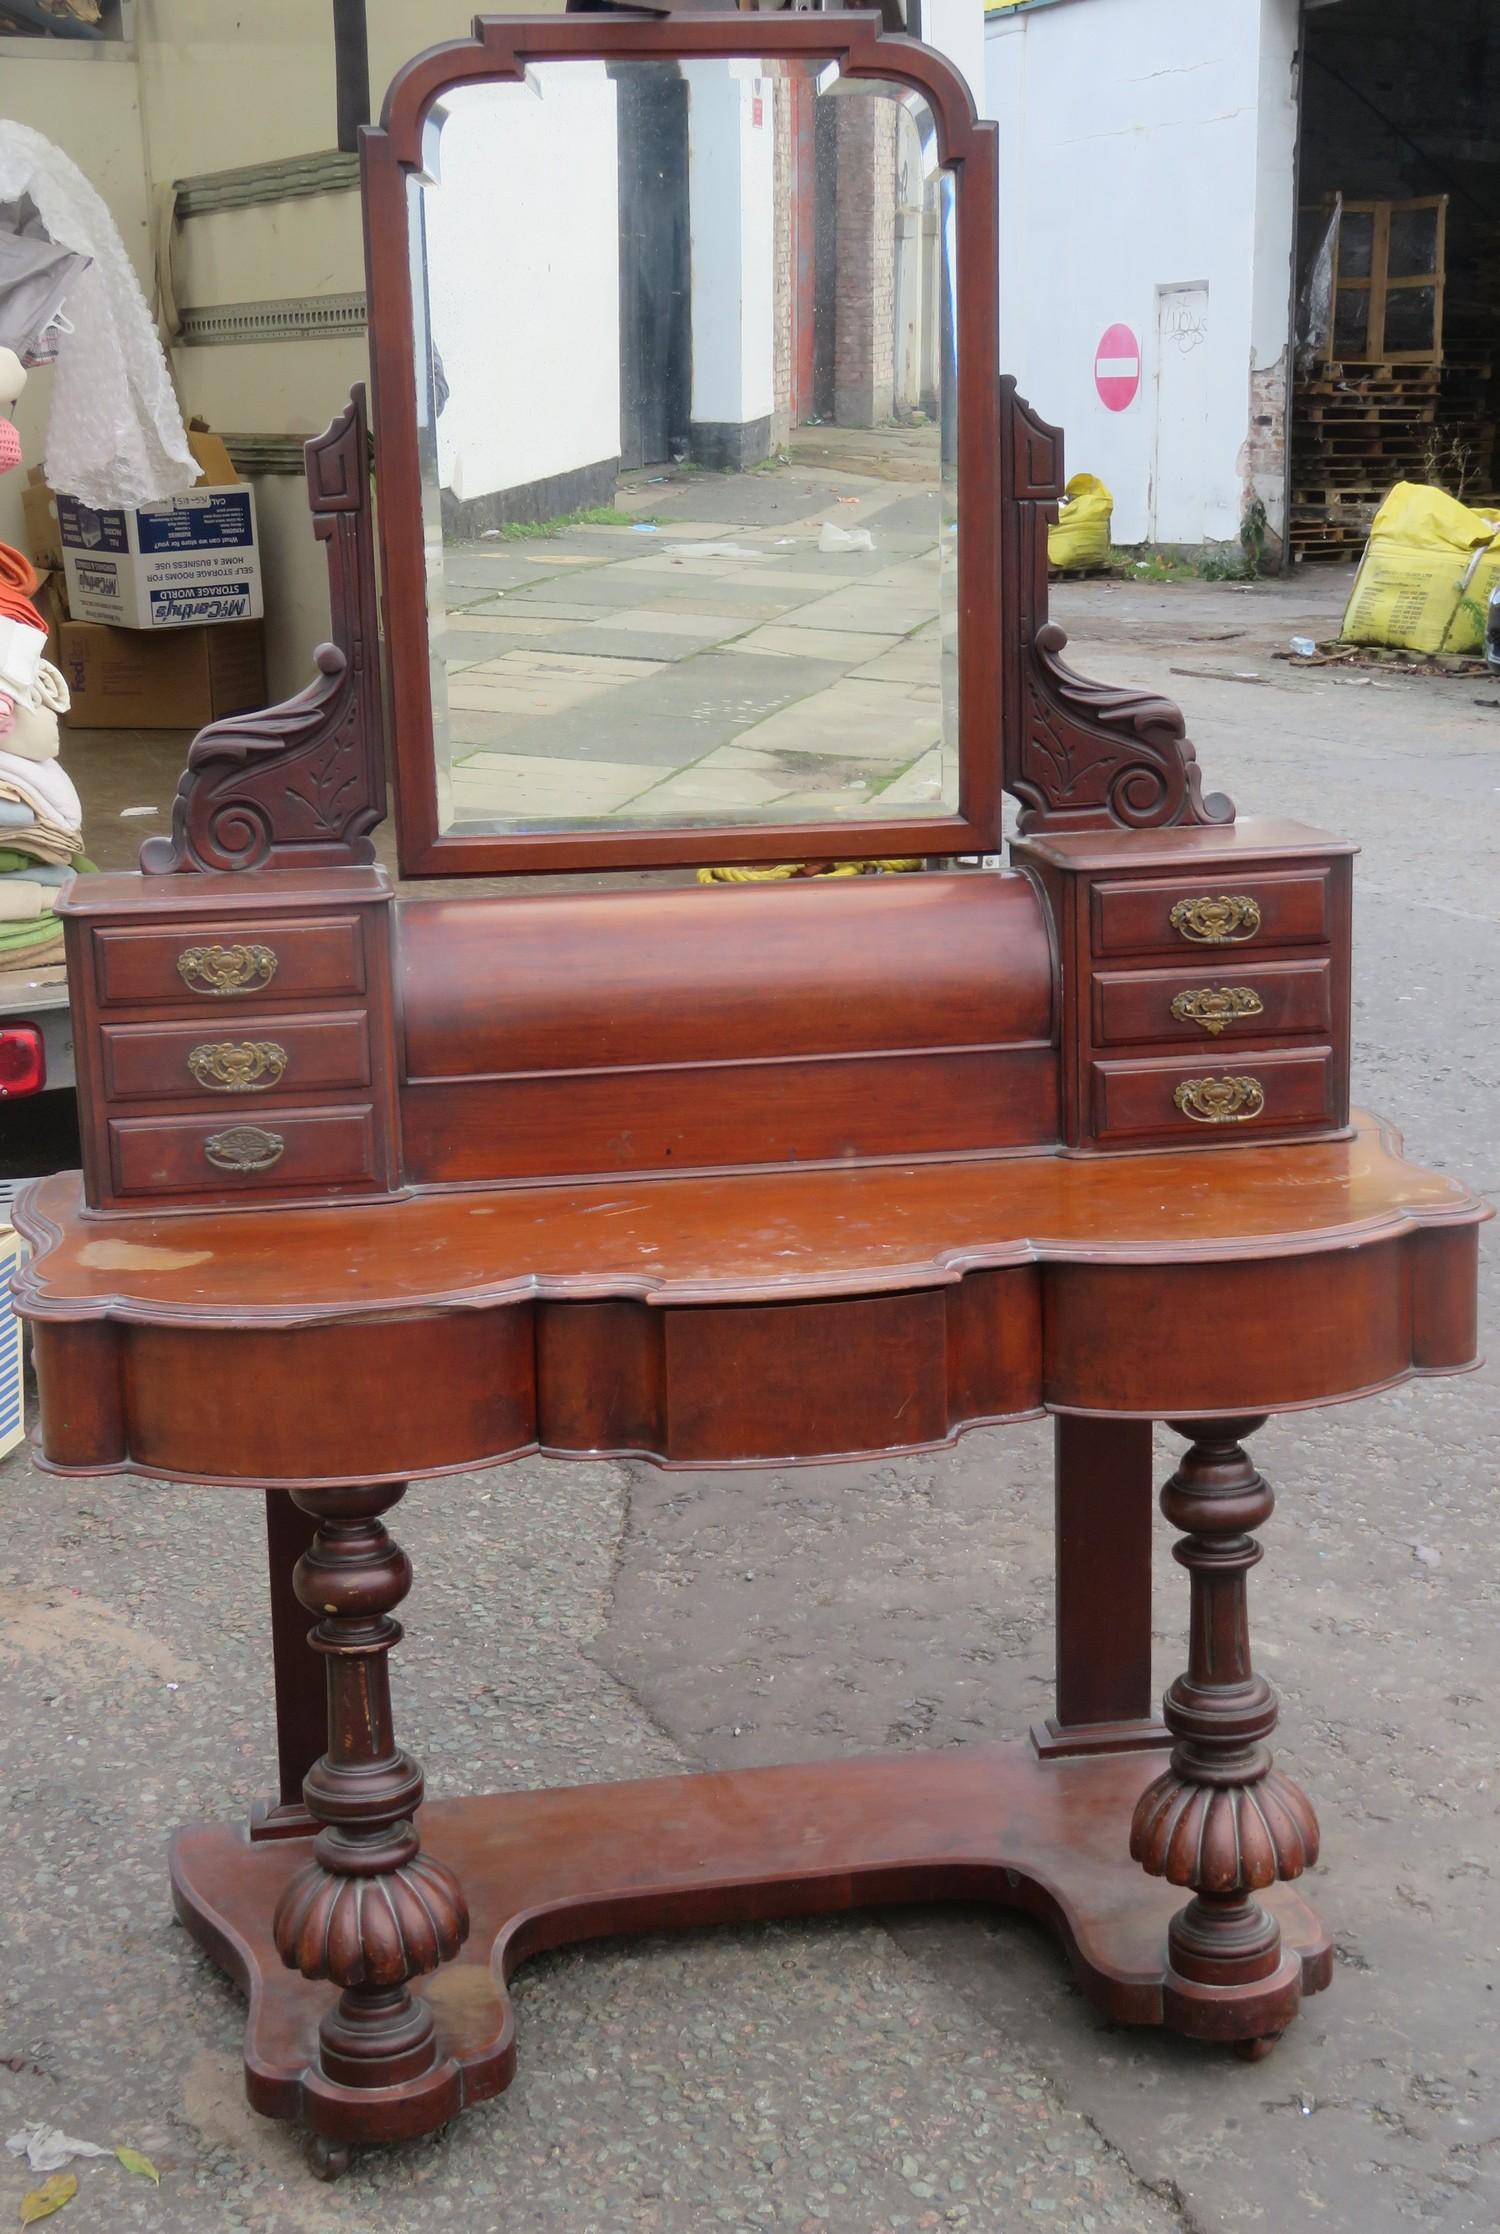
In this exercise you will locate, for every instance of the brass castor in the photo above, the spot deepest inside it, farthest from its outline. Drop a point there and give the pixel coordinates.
(327, 2159)
(1256, 2050)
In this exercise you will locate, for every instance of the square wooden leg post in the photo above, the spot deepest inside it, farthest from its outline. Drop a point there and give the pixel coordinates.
(1105, 1508)
(297, 1674)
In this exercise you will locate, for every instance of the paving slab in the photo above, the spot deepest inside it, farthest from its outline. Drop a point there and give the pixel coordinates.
(512, 784)
(892, 611)
(840, 647)
(882, 721)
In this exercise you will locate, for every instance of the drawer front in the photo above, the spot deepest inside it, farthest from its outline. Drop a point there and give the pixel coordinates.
(243, 1150)
(1212, 1008)
(225, 966)
(1219, 915)
(259, 1055)
(1233, 1095)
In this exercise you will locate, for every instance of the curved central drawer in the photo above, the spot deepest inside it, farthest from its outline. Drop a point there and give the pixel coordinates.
(814, 1021)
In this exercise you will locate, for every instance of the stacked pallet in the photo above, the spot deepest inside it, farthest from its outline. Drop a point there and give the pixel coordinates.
(1357, 429)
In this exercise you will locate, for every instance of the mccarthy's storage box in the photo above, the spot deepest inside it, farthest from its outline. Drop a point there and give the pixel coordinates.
(180, 564)
(121, 679)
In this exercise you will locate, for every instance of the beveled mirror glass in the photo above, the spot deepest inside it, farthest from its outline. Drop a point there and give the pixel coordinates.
(685, 401)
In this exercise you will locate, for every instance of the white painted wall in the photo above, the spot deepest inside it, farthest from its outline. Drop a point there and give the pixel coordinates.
(731, 171)
(956, 28)
(1145, 144)
(523, 267)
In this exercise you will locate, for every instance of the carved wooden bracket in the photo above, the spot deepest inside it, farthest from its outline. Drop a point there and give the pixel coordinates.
(302, 784)
(1079, 755)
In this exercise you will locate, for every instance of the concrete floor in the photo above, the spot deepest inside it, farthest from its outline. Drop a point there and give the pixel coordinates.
(709, 660)
(927, 2071)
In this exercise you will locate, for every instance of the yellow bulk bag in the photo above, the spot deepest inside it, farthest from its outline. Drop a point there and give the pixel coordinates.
(1420, 573)
(1466, 629)
(1081, 536)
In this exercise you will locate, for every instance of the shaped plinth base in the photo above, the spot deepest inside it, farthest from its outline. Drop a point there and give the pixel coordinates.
(544, 1869)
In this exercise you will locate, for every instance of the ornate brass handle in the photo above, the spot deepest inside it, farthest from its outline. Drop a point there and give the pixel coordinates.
(1220, 1101)
(1214, 1006)
(252, 1067)
(244, 1148)
(1222, 921)
(226, 969)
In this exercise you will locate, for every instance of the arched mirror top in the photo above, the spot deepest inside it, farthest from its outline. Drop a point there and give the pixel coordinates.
(683, 335)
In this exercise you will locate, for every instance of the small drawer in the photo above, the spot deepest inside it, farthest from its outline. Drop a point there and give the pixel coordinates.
(224, 964)
(1215, 915)
(260, 1055)
(1225, 1097)
(1213, 1008)
(243, 1150)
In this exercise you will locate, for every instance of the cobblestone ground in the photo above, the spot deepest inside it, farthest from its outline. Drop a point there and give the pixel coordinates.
(921, 2071)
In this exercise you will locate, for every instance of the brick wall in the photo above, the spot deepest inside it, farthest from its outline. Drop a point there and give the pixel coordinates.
(864, 287)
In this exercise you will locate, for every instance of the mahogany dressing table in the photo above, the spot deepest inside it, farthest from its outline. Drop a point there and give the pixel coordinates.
(381, 1188)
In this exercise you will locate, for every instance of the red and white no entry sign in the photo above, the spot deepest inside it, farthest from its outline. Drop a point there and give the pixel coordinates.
(1117, 368)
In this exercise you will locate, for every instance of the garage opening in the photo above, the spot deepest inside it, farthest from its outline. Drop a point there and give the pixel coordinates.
(1398, 300)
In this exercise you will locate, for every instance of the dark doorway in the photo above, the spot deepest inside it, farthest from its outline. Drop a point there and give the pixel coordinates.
(656, 341)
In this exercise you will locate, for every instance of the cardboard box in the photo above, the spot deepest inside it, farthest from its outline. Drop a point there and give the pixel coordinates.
(180, 564)
(39, 503)
(213, 459)
(39, 517)
(50, 601)
(123, 679)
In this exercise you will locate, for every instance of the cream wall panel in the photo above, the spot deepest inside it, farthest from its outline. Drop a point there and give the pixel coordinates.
(225, 84)
(89, 108)
(311, 246)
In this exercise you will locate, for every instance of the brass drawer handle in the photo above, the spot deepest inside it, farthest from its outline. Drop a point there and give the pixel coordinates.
(1214, 1006)
(252, 1067)
(226, 969)
(244, 1148)
(1225, 921)
(1220, 1101)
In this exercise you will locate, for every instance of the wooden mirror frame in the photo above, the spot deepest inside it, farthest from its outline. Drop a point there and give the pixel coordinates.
(500, 50)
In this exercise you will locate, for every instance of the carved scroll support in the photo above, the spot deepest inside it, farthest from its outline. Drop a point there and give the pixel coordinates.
(371, 1911)
(1220, 1820)
(302, 784)
(1079, 755)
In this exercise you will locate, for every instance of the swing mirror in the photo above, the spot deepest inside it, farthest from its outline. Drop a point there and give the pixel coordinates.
(674, 477)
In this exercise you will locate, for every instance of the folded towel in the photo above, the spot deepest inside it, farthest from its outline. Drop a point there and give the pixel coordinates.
(29, 941)
(41, 872)
(22, 899)
(44, 786)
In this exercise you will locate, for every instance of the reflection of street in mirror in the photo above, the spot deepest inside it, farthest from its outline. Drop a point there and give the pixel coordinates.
(692, 550)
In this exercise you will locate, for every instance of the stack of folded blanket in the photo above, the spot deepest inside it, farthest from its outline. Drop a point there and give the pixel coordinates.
(41, 838)
(41, 822)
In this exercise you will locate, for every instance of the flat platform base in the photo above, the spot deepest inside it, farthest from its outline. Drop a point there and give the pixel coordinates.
(544, 1869)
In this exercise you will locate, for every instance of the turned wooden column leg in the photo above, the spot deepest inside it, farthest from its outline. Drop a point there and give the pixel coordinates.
(1220, 1820)
(370, 1911)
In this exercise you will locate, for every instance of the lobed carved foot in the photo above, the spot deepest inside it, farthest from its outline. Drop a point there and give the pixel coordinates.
(370, 1911)
(1220, 1820)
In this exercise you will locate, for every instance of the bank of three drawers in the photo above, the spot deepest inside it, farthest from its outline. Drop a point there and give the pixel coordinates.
(1205, 983)
(233, 1052)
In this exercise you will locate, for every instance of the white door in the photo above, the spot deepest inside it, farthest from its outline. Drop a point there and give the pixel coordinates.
(1180, 476)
